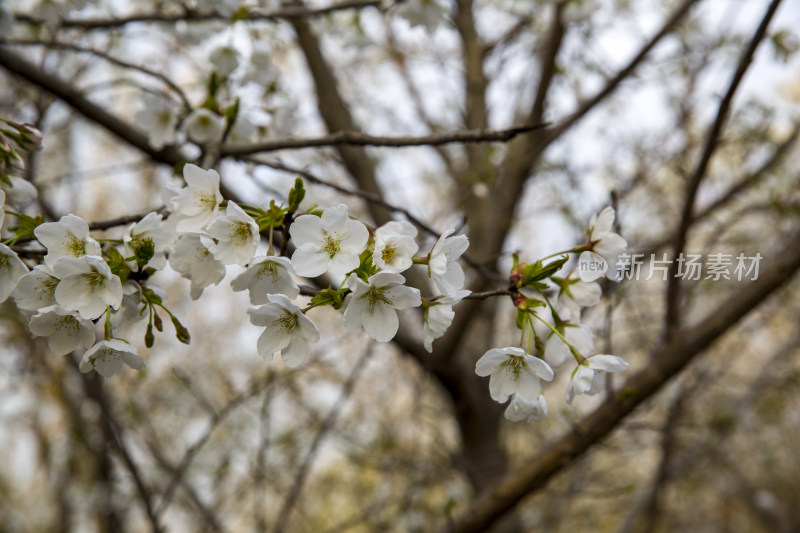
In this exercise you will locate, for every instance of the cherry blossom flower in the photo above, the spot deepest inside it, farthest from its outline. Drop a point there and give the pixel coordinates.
(267, 275)
(443, 266)
(260, 68)
(580, 336)
(158, 119)
(203, 126)
(106, 357)
(512, 371)
(225, 59)
(587, 378)
(521, 408)
(374, 306)
(194, 261)
(69, 237)
(575, 294)
(64, 330)
(243, 130)
(237, 236)
(608, 244)
(150, 232)
(331, 242)
(198, 203)
(288, 330)
(87, 286)
(395, 246)
(20, 192)
(36, 289)
(438, 318)
(132, 308)
(11, 270)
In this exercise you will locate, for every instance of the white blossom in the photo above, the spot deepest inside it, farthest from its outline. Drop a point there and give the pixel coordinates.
(588, 378)
(267, 275)
(36, 289)
(288, 330)
(149, 230)
(331, 242)
(64, 330)
(237, 236)
(443, 264)
(107, 357)
(203, 126)
(11, 270)
(513, 371)
(87, 286)
(159, 121)
(20, 192)
(438, 318)
(395, 246)
(580, 336)
(575, 294)
(374, 306)
(132, 308)
(260, 68)
(198, 203)
(194, 261)
(521, 408)
(69, 237)
(2, 207)
(243, 130)
(224, 59)
(608, 243)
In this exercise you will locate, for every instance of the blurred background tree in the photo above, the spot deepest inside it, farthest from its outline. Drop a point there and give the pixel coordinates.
(681, 114)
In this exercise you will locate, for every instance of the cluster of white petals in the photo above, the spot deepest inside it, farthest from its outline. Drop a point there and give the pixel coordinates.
(107, 357)
(443, 265)
(287, 330)
(69, 237)
(374, 305)
(330, 243)
(588, 377)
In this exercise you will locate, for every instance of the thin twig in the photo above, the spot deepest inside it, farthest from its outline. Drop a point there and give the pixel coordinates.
(327, 425)
(712, 141)
(103, 55)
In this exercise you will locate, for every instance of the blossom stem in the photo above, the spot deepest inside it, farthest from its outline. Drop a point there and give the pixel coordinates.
(578, 357)
(422, 260)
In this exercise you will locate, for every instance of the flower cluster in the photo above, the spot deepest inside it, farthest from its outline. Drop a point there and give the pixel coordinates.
(81, 282)
(515, 371)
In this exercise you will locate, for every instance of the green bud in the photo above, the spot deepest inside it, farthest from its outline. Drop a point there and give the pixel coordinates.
(149, 338)
(297, 194)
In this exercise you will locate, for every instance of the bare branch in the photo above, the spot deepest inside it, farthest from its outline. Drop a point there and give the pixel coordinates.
(673, 285)
(353, 138)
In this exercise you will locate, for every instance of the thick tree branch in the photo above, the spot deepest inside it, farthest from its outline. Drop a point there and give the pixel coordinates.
(667, 361)
(673, 285)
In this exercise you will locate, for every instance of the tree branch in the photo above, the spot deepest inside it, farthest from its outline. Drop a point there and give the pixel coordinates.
(668, 360)
(673, 284)
(354, 138)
